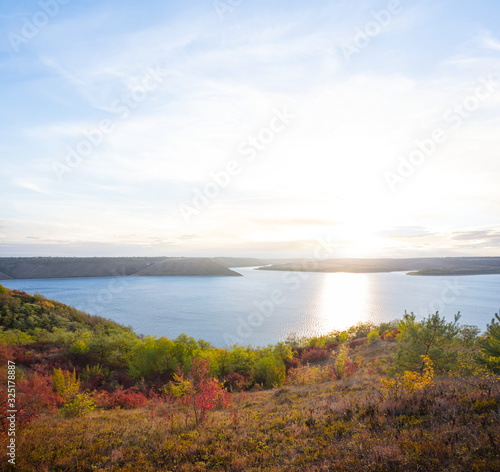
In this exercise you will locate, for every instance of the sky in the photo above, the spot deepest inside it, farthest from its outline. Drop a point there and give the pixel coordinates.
(263, 128)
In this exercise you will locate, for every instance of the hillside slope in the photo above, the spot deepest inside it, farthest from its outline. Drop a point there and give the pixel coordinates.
(71, 267)
(187, 266)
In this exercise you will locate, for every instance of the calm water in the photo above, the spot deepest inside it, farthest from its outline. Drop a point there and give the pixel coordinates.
(265, 307)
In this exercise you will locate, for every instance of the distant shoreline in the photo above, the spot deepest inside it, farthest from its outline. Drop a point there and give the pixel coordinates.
(22, 268)
(436, 266)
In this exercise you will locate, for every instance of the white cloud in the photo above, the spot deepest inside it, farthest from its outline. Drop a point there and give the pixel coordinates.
(221, 84)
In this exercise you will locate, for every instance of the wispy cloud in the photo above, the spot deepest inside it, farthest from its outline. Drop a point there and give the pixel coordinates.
(489, 41)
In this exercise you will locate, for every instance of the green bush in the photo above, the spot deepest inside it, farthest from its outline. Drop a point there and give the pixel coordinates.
(270, 372)
(490, 346)
(79, 347)
(372, 336)
(151, 357)
(433, 337)
(343, 337)
(340, 360)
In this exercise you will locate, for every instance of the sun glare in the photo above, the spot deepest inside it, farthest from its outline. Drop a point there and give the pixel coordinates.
(344, 299)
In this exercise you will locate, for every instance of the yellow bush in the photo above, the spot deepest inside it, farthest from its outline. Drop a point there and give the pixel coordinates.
(339, 364)
(65, 383)
(180, 388)
(409, 382)
(372, 336)
(79, 405)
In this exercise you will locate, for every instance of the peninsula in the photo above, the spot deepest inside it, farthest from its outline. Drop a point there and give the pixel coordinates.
(415, 266)
(72, 267)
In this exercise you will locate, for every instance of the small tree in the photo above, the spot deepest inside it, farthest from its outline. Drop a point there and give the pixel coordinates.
(78, 405)
(201, 390)
(490, 346)
(341, 360)
(432, 337)
(372, 336)
(65, 383)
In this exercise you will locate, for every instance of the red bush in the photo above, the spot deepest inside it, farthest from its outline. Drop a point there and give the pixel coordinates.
(235, 382)
(6, 354)
(33, 394)
(97, 382)
(204, 392)
(120, 398)
(357, 342)
(332, 346)
(313, 354)
(390, 335)
(350, 368)
(292, 363)
(22, 355)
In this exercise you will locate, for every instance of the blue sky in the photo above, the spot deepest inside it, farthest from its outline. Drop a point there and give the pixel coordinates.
(250, 128)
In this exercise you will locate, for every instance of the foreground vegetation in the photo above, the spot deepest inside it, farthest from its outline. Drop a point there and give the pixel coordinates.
(91, 395)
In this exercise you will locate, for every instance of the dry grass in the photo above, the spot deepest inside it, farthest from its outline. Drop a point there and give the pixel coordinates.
(338, 425)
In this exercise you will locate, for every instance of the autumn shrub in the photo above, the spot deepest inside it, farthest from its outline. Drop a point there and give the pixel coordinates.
(34, 394)
(270, 372)
(121, 398)
(65, 383)
(331, 346)
(390, 334)
(198, 388)
(313, 355)
(23, 355)
(97, 382)
(409, 381)
(236, 382)
(79, 405)
(292, 363)
(357, 342)
(349, 368)
(372, 336)
(340, 361)
(6, 353)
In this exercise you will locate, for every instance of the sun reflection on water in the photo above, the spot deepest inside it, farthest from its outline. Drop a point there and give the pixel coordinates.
(343, 300)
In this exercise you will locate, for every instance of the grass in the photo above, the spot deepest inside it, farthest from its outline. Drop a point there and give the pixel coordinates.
(343, 425)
